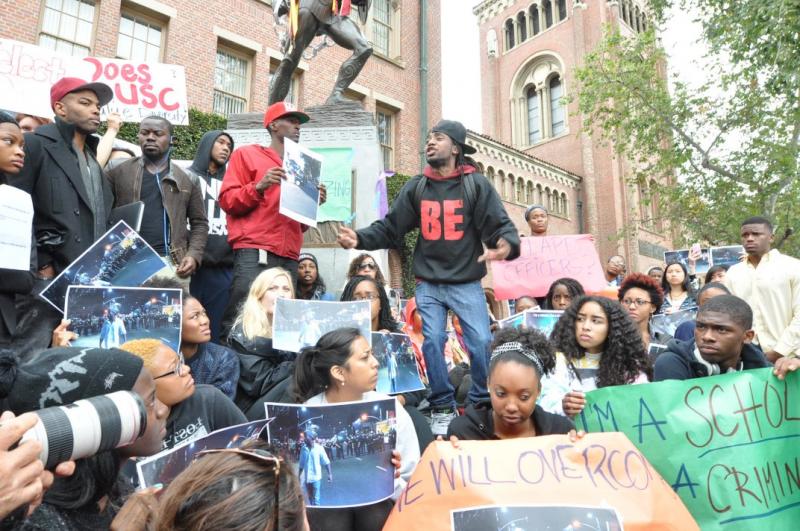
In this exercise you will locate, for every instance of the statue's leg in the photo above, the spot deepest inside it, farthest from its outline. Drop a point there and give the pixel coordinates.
(346, 34)
(282, 80)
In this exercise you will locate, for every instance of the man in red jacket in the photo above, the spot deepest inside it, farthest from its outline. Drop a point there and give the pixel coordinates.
(260, 236)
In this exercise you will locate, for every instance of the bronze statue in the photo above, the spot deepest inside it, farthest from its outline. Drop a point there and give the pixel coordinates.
(318, 17)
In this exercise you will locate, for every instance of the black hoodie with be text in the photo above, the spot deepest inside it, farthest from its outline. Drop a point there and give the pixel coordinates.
(451, 229)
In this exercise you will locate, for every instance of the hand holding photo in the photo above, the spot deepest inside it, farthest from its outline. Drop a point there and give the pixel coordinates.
(398, 371)
(299, 192)
(702, 264)
(667, 323)
(542, 320)
(300, 323)
(515, 321)
(341, 452)
(727, 256)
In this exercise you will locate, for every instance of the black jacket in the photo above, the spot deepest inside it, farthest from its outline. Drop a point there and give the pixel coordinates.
(451, 231)
(205, 411)
(218, 252)
(262, 370)
(63, 221)
(476, 424)
(678, 361)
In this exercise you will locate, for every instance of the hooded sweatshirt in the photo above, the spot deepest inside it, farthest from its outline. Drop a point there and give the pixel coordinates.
(218, 253)
(678, 362)
(477, 424)
(451, 232)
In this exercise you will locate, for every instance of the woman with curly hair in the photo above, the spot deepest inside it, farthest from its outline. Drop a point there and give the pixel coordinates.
(520, 359)
(561, 294)
(365, 265)
(363, 288)
(598, 346)
(641, 296)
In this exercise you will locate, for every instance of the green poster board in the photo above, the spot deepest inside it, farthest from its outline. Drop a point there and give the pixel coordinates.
(729, 445)
(337, 176)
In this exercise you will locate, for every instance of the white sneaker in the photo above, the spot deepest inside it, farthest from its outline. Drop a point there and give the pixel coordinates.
(440, 420)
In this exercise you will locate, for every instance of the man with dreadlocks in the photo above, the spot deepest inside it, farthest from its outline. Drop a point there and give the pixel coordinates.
(457, 210)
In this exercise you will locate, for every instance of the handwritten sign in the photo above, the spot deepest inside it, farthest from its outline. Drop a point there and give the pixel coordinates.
(545, 259)
(140, 89)
(601, 470)
(729, 445)
(337, 176)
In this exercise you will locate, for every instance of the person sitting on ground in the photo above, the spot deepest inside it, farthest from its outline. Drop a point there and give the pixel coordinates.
(656, 273)
(641, 296)
(599, 346)
(310, 285)
(365, 265)
(525, 303)
(715, 274)
(92, 497)
(537, 219)
(195, 410)
(236, 489)
(561, 294)
(519, 361)
(685, 330)
(342, 368)
(722, 343)
(677, 289)
(264, 372)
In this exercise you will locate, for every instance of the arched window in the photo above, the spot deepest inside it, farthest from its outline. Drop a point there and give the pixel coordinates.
(557, 119)
(547, 7)
(534, 121)
(548, 199)
(509, 30)
(564, 206)
(501, 182)
(636, 19)
(511, 184)
(533, 13)
(520, 190)
(644, 23)
(562, 10)
(626, 12)
(522, 25)
(539, 195)
(529, 193)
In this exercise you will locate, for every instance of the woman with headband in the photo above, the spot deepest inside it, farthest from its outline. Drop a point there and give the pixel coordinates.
(519, 361)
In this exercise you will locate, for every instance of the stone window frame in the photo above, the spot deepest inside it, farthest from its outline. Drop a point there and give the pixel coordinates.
(138, 17)
(523, 26)
(537, 73)
(226, 49)
(56, 38)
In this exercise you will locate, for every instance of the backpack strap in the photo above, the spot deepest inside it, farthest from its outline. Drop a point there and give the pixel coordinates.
(469, 190)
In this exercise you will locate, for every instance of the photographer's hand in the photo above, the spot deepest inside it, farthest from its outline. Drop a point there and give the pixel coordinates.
(21, 471)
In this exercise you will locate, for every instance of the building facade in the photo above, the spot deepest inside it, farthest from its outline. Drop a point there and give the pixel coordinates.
(231, 47)
(529, 50)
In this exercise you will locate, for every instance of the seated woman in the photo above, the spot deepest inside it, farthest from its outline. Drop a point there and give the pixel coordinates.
(641, 296)
(561, 294)
(92, 496)
(520, 359)
(364, 265)
(236, 489)
(264, 373)
(195, 410)
(341, 368)
(677, 289)
(310, 285)
(598, 346)
(525, 303)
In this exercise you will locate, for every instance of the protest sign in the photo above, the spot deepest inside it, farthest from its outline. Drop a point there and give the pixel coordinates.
(337, 176)
(299, 192)
(351, 441)
(140, 89)
(16, 222)
(108, 317)
(667, 323)
(545, 259)
(682, 256)
(397, 371)
(727, 256)
(600, 470)
(300, 323)
(119, 258)
(727, 444)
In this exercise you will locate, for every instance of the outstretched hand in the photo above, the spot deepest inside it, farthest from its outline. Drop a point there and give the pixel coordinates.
(501, 252)
(347, 238)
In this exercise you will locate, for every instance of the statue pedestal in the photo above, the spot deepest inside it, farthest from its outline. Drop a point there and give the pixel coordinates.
(345, 125)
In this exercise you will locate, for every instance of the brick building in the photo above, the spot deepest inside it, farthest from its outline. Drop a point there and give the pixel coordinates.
(529, 49)
(230, 47)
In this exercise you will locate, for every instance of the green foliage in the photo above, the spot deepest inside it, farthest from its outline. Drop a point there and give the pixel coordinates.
(393, 186)
(721, 150)
(186, 136)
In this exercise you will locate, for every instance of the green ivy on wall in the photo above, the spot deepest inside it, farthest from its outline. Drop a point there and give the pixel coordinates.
(393, 186)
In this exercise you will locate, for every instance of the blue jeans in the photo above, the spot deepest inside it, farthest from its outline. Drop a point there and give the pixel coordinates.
(212, 286)
(468, 302)
(312, 490)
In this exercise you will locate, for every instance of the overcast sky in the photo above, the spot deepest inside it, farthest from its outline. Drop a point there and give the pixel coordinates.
(461, 61)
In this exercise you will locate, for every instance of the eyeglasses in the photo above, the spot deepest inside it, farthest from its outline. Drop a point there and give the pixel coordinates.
(637, 302)
(368, 265)
(263, 457)
(367, 297)
(177, 370)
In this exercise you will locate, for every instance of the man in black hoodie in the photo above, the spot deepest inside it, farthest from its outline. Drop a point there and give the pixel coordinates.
(211, 283)
(722, 343)
(457, 210)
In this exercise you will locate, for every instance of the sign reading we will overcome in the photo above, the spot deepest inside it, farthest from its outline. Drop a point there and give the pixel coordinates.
(548, 478)
(729, 445)
(544, 259)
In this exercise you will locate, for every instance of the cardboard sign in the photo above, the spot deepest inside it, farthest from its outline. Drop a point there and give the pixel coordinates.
(729, 445)
(140, 89)
(545, 259)
(600, 470)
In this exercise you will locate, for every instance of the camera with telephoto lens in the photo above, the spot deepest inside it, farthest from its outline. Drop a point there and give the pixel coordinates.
(87, 427)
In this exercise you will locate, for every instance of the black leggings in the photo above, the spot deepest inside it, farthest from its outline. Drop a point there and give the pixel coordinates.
(366, 518)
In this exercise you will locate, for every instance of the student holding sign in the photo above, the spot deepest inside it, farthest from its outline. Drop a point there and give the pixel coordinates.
(599, 346)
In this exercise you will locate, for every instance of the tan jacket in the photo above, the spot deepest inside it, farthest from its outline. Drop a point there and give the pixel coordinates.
(182, 199)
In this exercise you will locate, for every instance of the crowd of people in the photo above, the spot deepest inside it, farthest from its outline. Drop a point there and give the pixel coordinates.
(217, 225)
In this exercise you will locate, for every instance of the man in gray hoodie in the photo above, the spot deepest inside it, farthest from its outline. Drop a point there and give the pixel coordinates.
(211, 282)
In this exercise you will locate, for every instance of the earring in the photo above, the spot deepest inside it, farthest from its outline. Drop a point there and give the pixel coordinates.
(342, 382)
